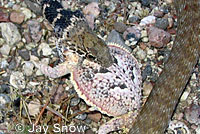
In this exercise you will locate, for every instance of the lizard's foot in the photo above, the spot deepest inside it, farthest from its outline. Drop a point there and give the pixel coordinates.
(118, 123)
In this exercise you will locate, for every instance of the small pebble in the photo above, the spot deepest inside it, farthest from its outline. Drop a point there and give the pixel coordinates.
(35, 30)
(5, 50)
(28, 68)
(36, 8)
(192, 114)
(81, 116)
(17, 80)
(148, 20)
(158, 13)
(10, 33)
(46, 50)
(74, 102)
(4, 100)
(92, 9)
(147, 87)
(26, 12)
(4, 88)
(158, 37)
(95, 117)
(145, 2)
(162, 23)
(24, 53)
(120, 27)
(34, 107)
(133, 19)
(17, 17)
(4, 17)
(141, 54)
(12, 64)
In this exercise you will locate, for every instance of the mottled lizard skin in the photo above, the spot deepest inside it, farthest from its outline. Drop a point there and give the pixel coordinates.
(156, 113)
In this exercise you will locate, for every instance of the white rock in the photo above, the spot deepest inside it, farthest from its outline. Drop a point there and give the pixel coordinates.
(10, 33)
(143, 33)
(150, 52)
(3, 63)
(141, 54)
(184, 96)
(148, 20)
(46, 50)
(17, 80)
(34, 107)
(92, 9)
(26, 12)
(5, 49)
(145, 39)
(28, 68)
(4, 99)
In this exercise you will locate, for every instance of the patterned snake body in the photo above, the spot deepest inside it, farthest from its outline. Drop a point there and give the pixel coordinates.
(156, 113)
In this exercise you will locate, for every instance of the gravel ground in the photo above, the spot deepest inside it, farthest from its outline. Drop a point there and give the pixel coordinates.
(146, 27)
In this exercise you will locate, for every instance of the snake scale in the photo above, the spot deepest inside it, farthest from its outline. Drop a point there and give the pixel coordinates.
(156, 113)
(159, 107)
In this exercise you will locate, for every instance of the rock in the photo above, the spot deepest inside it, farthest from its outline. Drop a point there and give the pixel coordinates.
(74, 102)
(171, 22)
(115, 37)
(141, 54)
(148, 70)
(95, 117)
(145, 40)
(148, 20)
(147, 87)
(92, 9)
(36, 8)
(28, 68)
(4, 100)
(120, 27)
(192, 114)
(90, 19)
(81, 116)
(5, 50)
(4, 17)
(158, 13)
(132, 35)
(4, 88)
(177, 127)
(145, 2)
(26, 12)
(158, 37)
(12, 64)
(132, 30)
(17, 17)
(169, 1)
(24, 53)
(35, 30)
(133, 19)
(184, 96)
(34, 107)
(3, 63)
(46, 50)
(10, 33)
(162, 23)
(17, 80)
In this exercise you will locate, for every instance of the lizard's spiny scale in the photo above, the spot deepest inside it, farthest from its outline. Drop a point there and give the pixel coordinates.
(115, 90)
(72, 30)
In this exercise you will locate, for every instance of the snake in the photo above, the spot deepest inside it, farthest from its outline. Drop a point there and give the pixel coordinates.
(156, 113)
(159, 107)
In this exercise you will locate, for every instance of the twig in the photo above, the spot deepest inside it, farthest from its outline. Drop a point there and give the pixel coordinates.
(41, 112)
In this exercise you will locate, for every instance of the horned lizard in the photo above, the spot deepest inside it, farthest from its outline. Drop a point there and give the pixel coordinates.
(109, 77)
(114, 91)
